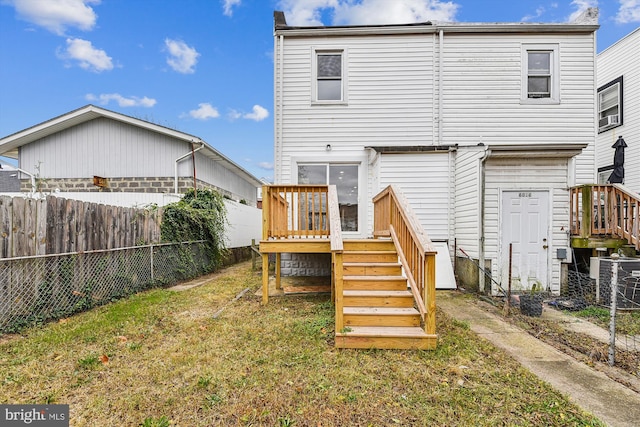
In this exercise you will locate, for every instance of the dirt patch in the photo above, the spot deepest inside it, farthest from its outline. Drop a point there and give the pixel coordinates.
(580, 346)
(202, 280)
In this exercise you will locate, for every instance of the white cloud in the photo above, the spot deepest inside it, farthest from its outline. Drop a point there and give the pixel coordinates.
(629, 12)
(367, 12)
(182, 58)
(259, 113)
(227, 6)
(204, 112)
(57, 15)
(234, 114)
(266, 165)
(88, 57)
(581, 6)
(132, 101)
(539, 12)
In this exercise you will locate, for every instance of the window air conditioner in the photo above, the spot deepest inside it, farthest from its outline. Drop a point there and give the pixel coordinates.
(608, 121)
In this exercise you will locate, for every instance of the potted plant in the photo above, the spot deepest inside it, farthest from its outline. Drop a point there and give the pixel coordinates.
(531, 302)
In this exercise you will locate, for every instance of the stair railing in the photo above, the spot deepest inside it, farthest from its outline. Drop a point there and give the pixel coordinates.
(394, 217)
(612, 211)
(337, 247)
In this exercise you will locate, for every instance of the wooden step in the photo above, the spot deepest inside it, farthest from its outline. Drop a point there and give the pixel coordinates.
(385, 338)
(368, 298)
(381, 316)
(370, 256)
(369, 245)
(379, 283)
(372, 269)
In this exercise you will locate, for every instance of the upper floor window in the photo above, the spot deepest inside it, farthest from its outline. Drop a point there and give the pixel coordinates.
(329, 81)
(610, 105)
(540, 79)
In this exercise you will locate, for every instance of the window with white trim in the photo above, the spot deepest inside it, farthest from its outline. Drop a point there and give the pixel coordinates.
(328, 76)
(610, 105)
(345, 178)
(540, 74)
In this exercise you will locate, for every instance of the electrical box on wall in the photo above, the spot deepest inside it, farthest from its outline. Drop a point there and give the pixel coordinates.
(563, 254)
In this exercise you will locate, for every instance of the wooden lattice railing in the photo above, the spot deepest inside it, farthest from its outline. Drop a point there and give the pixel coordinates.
(613, 212)
(394, 217)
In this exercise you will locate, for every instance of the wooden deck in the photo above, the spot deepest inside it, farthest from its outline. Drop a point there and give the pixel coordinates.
(383, 289)
(604, 216)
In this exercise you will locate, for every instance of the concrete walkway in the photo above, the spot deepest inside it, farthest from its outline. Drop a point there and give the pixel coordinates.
(611, 402)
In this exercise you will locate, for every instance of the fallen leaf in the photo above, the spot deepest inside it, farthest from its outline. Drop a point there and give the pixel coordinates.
(63, 320)
(104, 359)
(122, 339)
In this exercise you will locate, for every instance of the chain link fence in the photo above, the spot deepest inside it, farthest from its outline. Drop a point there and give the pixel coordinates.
(40, 288)
(609, 298)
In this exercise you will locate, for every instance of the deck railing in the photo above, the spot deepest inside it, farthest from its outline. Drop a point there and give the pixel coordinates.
(295, 211)
(394, 217)
(613, 212)
(305, 214)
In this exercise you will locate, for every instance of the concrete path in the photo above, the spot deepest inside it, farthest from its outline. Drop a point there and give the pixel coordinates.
(611, 402)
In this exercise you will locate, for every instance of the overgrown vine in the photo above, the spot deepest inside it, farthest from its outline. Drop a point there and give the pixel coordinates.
(199, 215)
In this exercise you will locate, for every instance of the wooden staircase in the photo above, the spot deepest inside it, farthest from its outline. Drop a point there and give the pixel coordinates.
(376, 305)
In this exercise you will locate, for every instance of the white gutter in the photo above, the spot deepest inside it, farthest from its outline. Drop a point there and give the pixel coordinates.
(175, 181)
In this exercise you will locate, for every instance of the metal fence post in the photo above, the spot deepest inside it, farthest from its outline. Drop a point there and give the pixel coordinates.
(151, 249)
(612, 321)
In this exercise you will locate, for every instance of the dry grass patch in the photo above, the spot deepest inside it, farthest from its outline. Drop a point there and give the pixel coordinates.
(147, 361)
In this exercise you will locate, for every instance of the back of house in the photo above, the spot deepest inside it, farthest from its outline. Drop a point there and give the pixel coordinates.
(483, 127)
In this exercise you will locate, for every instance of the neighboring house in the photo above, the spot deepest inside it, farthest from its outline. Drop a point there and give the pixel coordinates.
(619, 108)
(9, 181)
(92, 149)
(484, 127)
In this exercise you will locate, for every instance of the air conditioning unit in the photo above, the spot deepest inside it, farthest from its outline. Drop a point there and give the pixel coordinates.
(628, 284)
(608, 121)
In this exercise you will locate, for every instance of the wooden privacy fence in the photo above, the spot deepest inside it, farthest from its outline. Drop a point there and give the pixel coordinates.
(54, 225)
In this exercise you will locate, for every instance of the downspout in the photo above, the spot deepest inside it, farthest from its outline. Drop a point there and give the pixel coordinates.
(440, 83)
(279, 106)
(32, 176)
(190, 153)
(481, 254)
(29, 174)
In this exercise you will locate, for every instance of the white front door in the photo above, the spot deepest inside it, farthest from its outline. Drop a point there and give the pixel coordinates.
(525, 225)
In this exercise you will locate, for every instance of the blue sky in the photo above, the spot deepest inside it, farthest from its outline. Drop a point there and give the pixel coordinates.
(205, 67)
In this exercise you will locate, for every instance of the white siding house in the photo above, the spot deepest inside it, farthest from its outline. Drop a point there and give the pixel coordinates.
(618, 113)
(482, 126)
(130, 160)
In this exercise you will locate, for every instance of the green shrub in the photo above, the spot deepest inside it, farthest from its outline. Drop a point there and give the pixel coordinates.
(199, 215)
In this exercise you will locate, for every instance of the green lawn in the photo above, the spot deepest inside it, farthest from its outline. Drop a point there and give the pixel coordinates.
(160, 358)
